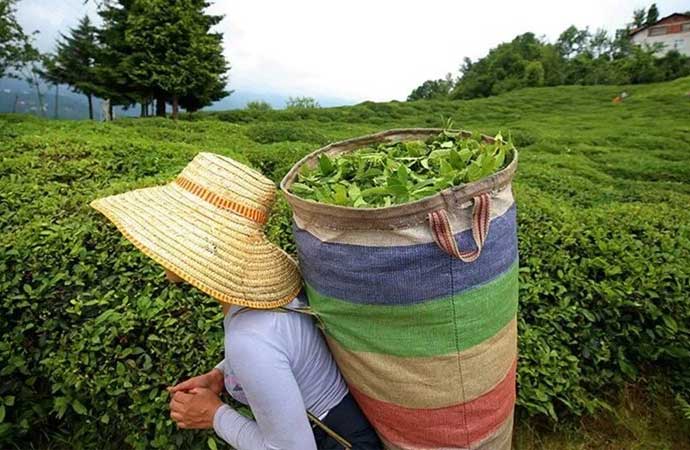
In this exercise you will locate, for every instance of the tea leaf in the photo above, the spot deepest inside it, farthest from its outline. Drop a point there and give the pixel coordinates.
(397, 172)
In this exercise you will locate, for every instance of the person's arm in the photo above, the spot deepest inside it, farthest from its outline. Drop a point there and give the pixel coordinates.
(274, 397)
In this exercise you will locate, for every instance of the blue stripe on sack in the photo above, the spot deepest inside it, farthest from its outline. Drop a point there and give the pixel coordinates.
(404, 275)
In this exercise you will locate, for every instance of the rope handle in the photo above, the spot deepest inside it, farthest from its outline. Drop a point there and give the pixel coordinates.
(443, 235)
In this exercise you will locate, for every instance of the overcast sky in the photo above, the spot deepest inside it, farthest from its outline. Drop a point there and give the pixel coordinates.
(362, 50)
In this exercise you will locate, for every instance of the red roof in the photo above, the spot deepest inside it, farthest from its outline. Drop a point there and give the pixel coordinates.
(675, 17)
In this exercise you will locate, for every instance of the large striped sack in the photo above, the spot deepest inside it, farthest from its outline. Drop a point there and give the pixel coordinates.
(418, 303)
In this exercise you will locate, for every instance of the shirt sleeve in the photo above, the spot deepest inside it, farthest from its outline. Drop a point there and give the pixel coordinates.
(263, 370)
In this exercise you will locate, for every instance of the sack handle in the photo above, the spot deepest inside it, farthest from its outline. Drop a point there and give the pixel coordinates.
(443, 235)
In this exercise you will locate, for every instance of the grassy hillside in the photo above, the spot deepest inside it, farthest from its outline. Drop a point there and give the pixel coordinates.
(92, 333)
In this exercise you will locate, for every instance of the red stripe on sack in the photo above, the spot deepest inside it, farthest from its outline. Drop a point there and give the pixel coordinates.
(455, 426)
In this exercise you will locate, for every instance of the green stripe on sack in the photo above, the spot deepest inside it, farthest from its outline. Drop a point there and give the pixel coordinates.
(435, 327)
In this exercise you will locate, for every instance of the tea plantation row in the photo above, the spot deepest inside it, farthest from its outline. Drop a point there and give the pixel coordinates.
(92, 334)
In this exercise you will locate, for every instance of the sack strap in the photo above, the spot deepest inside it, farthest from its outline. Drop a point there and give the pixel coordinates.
(443, 235)
(329, 431)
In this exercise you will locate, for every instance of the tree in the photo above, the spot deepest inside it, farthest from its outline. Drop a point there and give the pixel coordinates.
(432, 89)
(175, 54)
(114, 80)
(16, 48)
(301, 103)
(534, 74)
(204, 96)
(259, 105)
(621, 46)
(641, 66)
(572, 41)
(74, 61)
(652, 15)
(600, 44)
(639, 18)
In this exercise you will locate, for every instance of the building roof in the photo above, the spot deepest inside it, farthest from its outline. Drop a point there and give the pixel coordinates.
(663, 20)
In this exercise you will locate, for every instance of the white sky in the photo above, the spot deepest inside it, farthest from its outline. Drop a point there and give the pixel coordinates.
(362, 50)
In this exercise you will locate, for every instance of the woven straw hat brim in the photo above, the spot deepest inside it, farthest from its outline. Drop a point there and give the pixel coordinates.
(248, 183)
(218, 251)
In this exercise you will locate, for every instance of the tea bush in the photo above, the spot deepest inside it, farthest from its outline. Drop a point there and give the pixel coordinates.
(271, 132)
(92, 334)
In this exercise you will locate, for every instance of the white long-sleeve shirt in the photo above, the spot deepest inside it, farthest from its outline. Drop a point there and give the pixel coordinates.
(278, 363)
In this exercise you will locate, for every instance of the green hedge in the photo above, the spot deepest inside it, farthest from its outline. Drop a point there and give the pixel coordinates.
(92, 334)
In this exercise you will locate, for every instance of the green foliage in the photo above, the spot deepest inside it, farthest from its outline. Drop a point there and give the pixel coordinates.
(16, 48)
(652, 15)
(74, 59)
(431, 89)
(400, 172)
(578, 57)
(301, 103)
(268, 133)
(259, 105)
(115, 82)
(534, 74)
(161, 31)
(639, 18)
(92, 333)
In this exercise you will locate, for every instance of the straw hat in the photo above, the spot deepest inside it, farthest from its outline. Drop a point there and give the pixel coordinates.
(206, 226)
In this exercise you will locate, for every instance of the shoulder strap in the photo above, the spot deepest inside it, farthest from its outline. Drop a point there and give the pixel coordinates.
(329, 431)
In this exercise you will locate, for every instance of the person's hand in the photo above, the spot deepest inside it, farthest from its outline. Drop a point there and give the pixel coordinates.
(194, 409)
(212, 380)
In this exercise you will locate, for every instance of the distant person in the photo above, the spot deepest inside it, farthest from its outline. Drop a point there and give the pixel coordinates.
(206, 228)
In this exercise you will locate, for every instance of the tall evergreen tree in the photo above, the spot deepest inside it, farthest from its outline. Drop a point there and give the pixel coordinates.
(15, 46)
(205, 96)
(115, 82)
(652, 15)
(74, 61)
(639, 18)
(176, 52)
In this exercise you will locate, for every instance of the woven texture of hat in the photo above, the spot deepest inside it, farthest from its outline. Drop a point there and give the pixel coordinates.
(207, 226)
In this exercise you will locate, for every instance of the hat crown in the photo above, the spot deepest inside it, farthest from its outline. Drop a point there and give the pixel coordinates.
(226, 182)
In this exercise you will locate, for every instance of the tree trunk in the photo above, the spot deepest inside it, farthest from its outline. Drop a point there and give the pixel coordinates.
(16, 101)
(88, 96)
(142, 112)
(110, 110)
(39, 94)
(56, 100)
(175, 107)
(160, 106)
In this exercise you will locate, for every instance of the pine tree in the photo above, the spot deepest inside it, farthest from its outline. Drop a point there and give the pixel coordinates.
(205, 96)
(652, 15)
(115, 81)
(639, 18)
(176, 53)
(74, 61)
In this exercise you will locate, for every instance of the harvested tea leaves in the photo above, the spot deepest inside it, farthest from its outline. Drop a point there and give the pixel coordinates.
(392, 173)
